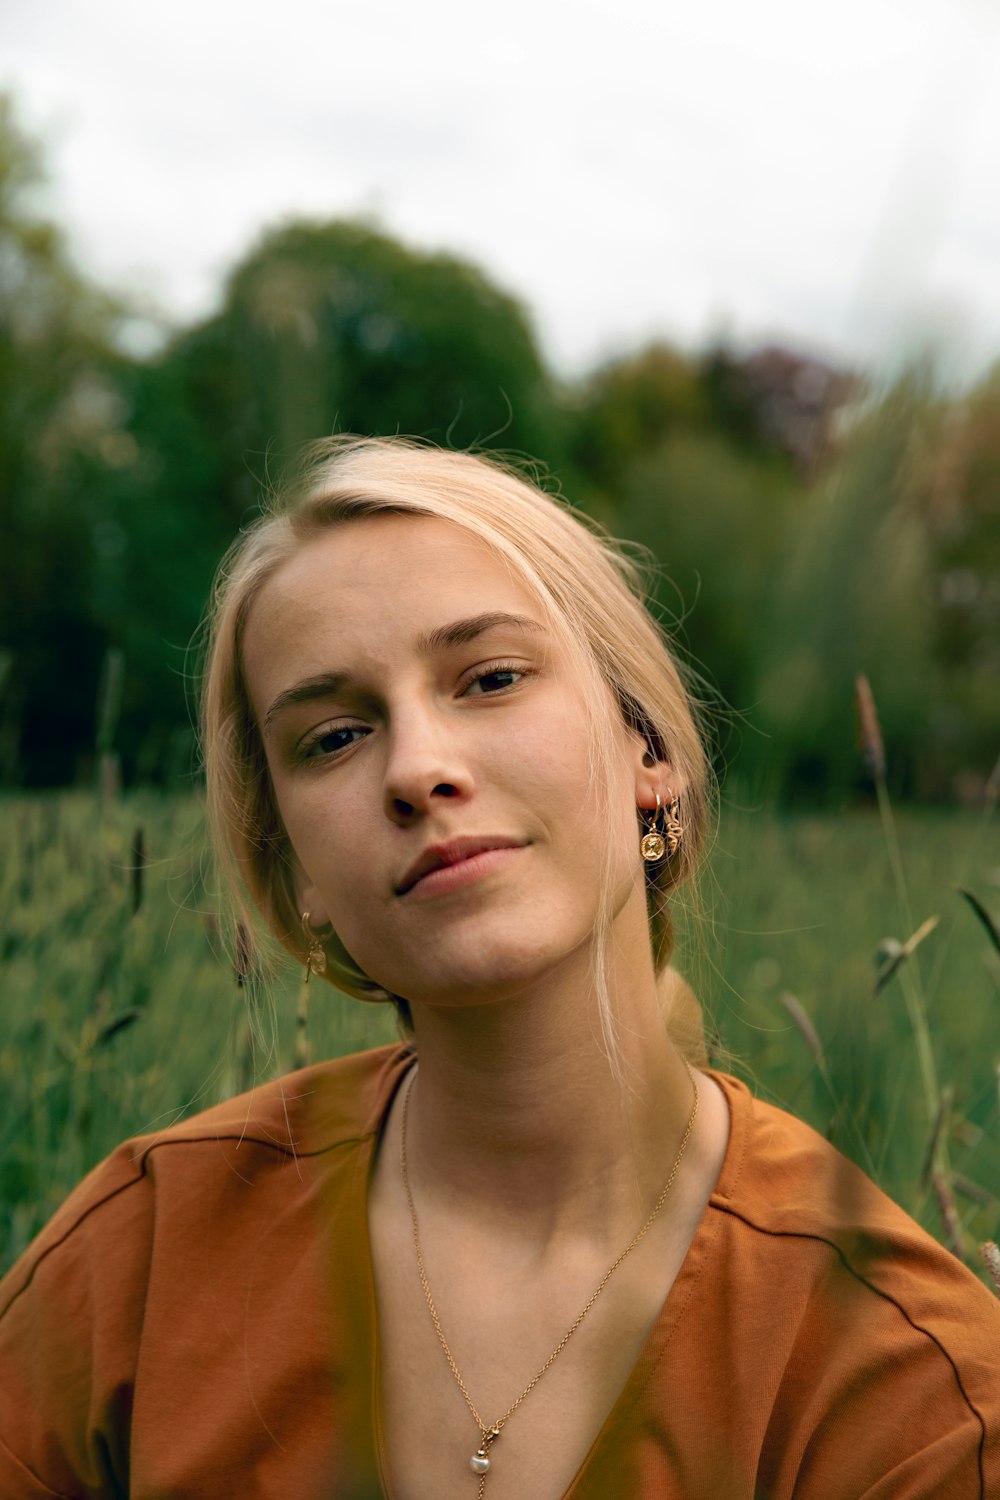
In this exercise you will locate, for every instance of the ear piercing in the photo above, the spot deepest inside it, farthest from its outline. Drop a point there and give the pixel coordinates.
(315, 958)
(655, 843)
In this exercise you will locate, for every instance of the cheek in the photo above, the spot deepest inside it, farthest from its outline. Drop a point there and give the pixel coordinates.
(330, 849)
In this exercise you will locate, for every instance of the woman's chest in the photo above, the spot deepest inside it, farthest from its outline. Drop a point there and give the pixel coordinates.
(491, 1353)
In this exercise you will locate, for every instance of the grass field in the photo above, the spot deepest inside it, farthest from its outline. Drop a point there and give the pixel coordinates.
(121, 1012)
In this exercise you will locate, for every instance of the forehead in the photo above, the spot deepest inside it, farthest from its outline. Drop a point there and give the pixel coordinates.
(386, 563)
(368, 588)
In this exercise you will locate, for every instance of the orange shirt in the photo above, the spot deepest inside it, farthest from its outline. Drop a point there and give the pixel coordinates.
(198, 1321)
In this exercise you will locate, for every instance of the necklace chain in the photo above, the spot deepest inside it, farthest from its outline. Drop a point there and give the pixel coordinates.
(489, 1432)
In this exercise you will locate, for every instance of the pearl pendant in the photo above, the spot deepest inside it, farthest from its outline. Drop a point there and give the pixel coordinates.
(479, 1463)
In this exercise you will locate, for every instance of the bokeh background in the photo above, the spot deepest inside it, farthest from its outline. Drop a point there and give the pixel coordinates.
(731, 274)
(728, 271)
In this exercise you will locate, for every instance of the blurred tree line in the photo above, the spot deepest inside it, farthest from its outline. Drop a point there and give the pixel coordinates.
(807, 527)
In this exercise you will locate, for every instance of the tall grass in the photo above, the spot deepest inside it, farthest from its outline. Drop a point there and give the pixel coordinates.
(121, 1013)
(870, 1010)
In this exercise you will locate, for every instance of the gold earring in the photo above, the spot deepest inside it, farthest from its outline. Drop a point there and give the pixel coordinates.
(316, 957)
(673, 830)
(653, 845)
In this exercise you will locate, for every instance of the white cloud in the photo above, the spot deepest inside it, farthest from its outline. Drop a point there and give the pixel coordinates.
(623, 168)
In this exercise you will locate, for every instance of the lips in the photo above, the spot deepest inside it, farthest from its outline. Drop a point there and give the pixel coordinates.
(439, 856)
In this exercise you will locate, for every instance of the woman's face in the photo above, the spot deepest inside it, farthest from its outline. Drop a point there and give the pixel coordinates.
(428, 743)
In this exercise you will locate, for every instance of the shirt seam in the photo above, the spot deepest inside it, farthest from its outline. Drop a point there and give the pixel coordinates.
(140, 1161)
(798, 1234)
(35, 1479)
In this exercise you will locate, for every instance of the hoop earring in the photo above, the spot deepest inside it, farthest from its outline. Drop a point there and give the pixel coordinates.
(653, 845)
(316, 957)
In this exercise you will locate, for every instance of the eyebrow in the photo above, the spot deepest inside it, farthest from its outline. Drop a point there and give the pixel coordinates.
(458, 633)
(309, 690)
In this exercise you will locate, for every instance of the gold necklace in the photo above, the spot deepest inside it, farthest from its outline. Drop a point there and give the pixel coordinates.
(479, 1463)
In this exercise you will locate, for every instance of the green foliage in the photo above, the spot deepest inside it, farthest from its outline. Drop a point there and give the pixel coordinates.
(325, 327)
(336, 327)
(956, 488)
(59, 405)
(630, 407)
(807, 531)
(816, 927)
(852, 593)
(123, 481)
(716, 522)
(121, 1013)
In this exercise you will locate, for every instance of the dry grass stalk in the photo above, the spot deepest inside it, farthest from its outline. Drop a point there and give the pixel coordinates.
(870, 740)
(109, 776)
(972, 1190)
(991, 1255)
(900, 955)
(948, 1210)
(939, 1132)
(804, 1025)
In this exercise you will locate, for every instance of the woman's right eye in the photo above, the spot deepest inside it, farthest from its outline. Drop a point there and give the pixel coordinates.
(332, 741)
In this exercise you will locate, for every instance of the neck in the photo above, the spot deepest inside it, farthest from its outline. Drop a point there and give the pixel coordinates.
(521, 1112)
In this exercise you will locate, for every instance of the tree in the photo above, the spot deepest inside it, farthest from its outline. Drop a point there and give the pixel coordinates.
(336, 327)
(127, 479)
(851, 593)
(630, 406)
(60, 411)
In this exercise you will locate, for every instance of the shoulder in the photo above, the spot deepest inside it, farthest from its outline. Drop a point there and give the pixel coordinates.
(305, 1113)
(313, 1113)
(782, 1179)
(168, 1269)
(860, 1299)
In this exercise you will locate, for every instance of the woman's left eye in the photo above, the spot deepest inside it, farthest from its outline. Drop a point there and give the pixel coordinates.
(496, 680)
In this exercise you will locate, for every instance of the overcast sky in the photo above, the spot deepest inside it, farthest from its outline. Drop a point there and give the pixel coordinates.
(827, 175)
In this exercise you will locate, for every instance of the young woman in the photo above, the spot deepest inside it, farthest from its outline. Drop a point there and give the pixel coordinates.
(535, 1250)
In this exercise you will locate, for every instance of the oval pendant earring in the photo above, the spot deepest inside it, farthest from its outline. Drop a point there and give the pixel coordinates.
(653, 845)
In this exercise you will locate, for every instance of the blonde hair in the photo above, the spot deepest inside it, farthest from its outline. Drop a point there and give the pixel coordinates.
(593, 595)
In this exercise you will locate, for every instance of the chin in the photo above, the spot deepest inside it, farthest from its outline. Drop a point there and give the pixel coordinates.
(489, 975)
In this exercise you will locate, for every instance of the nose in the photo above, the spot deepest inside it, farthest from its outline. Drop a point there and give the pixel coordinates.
(425, 765)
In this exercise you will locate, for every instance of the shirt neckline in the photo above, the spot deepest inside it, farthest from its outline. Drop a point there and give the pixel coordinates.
(673, 1310)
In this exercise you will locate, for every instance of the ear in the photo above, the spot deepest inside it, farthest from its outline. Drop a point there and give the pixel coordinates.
(309, 902)
(655, 778)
